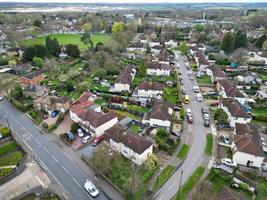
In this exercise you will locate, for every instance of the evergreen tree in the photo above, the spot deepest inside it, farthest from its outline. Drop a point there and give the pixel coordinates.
(241, 39)
(52, 46)
(73, 51)
(260, 41)
(228, 42)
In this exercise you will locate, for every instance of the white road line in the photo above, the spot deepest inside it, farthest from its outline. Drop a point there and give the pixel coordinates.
(162, 197)
(26, 144)
(172, 185)
(76, 182)
(55, 159)
(65, 169)
(17, 122)
(40, 181)
(46, 150)
(11, 116)
(37, 141)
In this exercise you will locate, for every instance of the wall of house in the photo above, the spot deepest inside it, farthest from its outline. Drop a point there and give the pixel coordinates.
(158, 72)
(74, 117)
(119, 87)
(159, 122)
(101, 129)
(148, 93)
(242, 158)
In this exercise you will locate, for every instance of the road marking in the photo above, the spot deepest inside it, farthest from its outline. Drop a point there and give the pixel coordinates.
(40, 181)
(26, 144)
(17, 122)
(65, 169)
(37, 141)
(55, 159)
(162, 197)
(172, 185)
(11, 116)
(76, 182)
(46, 150)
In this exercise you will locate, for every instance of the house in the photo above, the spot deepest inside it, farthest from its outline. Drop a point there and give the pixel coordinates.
(90, 117)
(125, 78)
(148, 89)
(215, 73)
(132, 146)
(158, 69)
(227, 193)
(156, 49)
(35, 91)
(171, 44)
(33, 78)
(163, 57)
(227, 90)
(51, 103)
(235, 112)
(247, 147)
(136, 47)
(160, 115)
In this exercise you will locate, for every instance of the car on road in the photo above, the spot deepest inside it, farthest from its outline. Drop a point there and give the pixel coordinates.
(191, 78)
(225, 139)
(1, 136)
(188, 112)
(54, 113)
(86, 139)
(206, 123)
(229, 162)
(190, 119)
(70, 136)
(199, 97)
(1, 98)
(180, 78)
(91, 188)
(183, 92)
(80, 132)
(97, 140)
(189, 73)
(181, 82)
(206, 116)
(196, 89)
(204, 110)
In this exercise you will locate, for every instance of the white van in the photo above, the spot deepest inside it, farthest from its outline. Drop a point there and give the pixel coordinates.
(196, 89)
(199, 97)
(86, 138)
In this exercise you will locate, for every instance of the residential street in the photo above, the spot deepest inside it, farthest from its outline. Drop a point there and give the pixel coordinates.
(194, 135)
(58, 166)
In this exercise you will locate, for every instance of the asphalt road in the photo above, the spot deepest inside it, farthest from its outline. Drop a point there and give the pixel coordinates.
(194, 135)
(58, 166)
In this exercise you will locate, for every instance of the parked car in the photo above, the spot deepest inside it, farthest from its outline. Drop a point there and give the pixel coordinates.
(204, 110)
(181, 82)
(199, 97)
(80, 132)
(70, 136)
(229, 162)
(1, 98)
(220, 125)
(188, 112)
(190, 119)
(176, 108)
(54, 113)
(189, 73)
(97, 140)
(191, 78)
(206, 123)
(1, 136)
(45, 116)
(86, 139)
(180, 78)
(91, 188)
(206, 116)
(183, 92)
(196, 89)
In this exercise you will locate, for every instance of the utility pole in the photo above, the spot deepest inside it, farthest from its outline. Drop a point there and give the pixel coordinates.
(181, 177)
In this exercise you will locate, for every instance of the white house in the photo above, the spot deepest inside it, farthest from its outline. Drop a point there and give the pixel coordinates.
(246, 147)
(235, 112)
(171, 44)
(227, 90)
(125, 78)
(132, 146)
(149, 90)
(136, 47)
(158, 69)
(160, 115)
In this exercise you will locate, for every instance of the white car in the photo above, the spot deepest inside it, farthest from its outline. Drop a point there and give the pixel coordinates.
(188, 112)
(80, 132)
(86, 138)
(196, 89)
(91, 188)
(191, 78)
(1, 98)
(229, 162)
(206, 116)
(199, 97)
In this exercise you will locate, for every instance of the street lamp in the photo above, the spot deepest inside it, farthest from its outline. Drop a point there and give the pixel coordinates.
(180, 182)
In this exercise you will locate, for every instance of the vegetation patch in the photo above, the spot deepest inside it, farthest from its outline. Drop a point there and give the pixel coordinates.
(209, 144)
(8, 147)
(183, 151)
(204, 80)
(164, 175)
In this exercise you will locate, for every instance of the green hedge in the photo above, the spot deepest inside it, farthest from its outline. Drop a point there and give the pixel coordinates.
(5, 132)
(183, 152)
(7, 148)
(209, 143)
(164, 175)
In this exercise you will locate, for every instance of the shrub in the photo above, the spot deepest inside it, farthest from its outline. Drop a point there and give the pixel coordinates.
(5, 132)
(45, 125)
(182, 113)
(74, 127)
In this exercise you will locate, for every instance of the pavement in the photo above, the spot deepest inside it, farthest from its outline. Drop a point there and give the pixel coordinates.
(59, 166)
(194, 135)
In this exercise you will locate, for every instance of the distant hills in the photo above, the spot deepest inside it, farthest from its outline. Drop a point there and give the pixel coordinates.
(156, 6)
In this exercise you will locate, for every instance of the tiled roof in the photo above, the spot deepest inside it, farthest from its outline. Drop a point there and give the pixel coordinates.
(217, 72)
(230, 89)
(161, 66)
(150, 86)
(160, 111)
(235, 108)
(82, 104)
(33, 74)
(33, 88)
(127, 75)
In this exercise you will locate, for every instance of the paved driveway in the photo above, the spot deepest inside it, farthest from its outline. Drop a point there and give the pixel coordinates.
(65, 125)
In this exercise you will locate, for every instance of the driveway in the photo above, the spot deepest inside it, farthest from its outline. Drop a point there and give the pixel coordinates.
(194, 135)
(65, 125)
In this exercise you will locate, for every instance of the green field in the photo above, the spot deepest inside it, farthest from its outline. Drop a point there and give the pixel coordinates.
(69, 39)
(183, 152)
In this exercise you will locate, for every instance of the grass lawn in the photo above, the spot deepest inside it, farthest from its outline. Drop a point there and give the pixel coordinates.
(100, 101)
(126, 114)
(11, 158)
(145, 174)
(135, 129)
(69, 39)
(209, 143)
(259, 111)
(229, 153)
(138, 108)
(218, 180)
(189, 184)
(260, 123)
(204, 80)
(3, 172)
(8, 147)
(183, 152)
(164, 175)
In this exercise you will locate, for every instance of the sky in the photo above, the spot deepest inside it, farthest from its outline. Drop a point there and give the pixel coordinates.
(137, 1)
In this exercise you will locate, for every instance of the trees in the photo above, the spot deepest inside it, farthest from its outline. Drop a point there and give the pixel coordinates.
(37, 23)
(52, 46)
(241, 39)
(35, 51)
(73, 50)
(183, 48)
(238, 56)
(260, 41)
(86, 39)
(221, 116)
(38, 62)
(87, 27)
(142, 69)
(101, 73)
(117, 27)
(228, 42)
(198, 27)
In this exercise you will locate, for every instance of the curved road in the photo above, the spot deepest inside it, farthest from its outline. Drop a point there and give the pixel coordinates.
(56, 164)
(194, 135)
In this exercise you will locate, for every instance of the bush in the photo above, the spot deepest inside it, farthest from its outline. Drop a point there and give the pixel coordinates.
(221, 116)
(182, 113)
(262, 118)
(45, 125)
(74, 127)
(5, 132)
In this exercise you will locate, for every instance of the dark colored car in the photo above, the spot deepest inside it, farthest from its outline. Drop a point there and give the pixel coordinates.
(183, 92)
(204, 110)
(70, 136)
(189, 119)
(181, 82)
(54, 113)
(222, 125)
(97, 140)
